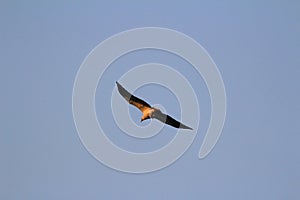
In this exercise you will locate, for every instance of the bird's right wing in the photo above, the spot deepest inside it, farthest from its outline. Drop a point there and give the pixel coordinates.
(139, 103)
(171, 121)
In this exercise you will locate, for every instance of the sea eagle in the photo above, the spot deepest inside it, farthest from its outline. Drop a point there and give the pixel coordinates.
(149, 111)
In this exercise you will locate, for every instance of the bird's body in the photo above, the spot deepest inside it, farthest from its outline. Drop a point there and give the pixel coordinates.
(148, 111)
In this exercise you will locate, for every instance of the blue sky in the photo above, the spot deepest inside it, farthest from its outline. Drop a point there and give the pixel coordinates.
(256, 47)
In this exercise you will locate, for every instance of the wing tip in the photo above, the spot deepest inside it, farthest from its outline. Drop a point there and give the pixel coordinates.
(119, 85)
(185, 127)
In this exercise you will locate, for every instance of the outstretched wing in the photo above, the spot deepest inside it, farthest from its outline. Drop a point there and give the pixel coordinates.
(139, 103)
(171, 121)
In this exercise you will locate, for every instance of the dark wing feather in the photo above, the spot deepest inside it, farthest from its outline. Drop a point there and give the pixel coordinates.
(139, 103)
(171, 121)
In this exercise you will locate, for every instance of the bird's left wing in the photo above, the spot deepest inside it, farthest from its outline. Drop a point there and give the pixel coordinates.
(139, 103)
(171, 121)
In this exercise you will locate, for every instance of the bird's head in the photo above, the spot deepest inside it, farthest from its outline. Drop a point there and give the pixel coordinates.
(144, 118)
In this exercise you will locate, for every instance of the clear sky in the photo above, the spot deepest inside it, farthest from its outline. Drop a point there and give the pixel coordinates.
(256, 47)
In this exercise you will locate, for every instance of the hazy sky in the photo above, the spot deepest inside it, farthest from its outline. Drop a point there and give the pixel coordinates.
(256, 47)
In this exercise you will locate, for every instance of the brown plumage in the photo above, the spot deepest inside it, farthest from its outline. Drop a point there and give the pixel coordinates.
(149, 111)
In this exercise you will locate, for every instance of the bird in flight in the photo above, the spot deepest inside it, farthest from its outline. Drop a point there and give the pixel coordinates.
(149, 111)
